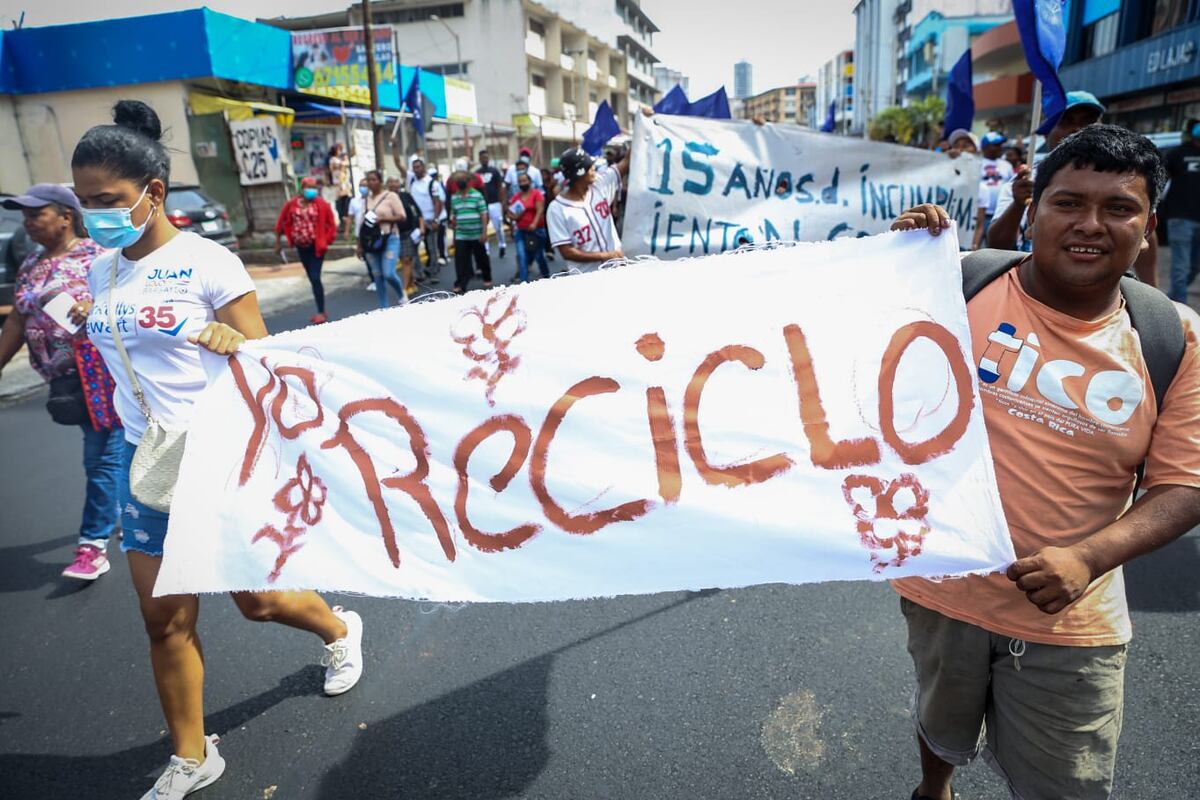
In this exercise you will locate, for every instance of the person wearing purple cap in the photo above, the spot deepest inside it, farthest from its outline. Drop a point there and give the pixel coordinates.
(49, 297)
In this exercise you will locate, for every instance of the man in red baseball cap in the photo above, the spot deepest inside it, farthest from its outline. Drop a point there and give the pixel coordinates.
(523, 166)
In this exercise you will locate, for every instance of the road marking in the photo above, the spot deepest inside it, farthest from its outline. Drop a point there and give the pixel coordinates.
(790, 734)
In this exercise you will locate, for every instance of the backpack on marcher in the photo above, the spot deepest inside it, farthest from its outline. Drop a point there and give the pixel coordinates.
(412, 213)
(1151, 313)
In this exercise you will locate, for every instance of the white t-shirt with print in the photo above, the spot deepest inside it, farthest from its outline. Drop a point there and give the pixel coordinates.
(423, 194)
(160, 300)
(587, 225)
(993, 173)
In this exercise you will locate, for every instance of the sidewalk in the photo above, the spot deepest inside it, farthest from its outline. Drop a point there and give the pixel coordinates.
(279, 287)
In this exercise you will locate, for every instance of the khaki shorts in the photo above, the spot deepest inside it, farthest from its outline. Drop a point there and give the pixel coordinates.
(1047, 720)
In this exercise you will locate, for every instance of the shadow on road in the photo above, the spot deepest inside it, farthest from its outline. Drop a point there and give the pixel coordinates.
(128, 773)
(21, 571)
(1165, 580)
(486, 741)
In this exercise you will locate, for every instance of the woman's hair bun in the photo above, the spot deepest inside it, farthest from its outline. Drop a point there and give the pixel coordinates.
(137, 116)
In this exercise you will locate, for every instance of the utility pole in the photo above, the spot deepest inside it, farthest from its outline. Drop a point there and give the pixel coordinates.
(372, 84)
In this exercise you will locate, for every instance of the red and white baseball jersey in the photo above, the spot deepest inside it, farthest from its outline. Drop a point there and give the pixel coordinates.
(587, 225)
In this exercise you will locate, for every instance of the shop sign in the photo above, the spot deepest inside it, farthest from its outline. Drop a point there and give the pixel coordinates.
(1164, 58)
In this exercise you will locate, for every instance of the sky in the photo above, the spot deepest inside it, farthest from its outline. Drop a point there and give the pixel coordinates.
(783, 39)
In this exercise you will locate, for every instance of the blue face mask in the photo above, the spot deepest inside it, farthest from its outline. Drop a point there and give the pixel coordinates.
(1196, 131)
(310, 194)
(113, 227)
(364, 191)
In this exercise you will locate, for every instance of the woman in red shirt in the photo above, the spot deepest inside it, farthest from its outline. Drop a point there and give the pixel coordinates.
(527, 210)
(308, 222)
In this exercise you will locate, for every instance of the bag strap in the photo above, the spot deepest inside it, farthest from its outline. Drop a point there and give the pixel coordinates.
(981, 267)
(1160, 332)
(120, 345)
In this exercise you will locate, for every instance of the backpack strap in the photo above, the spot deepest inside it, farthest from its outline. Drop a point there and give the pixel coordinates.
(981, 267)
(1160, 331)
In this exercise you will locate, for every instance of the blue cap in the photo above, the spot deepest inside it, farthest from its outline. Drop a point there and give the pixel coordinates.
(1081, 98)
(994, 137)
(43, 194)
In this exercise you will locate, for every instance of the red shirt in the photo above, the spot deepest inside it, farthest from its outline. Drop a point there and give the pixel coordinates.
(529, 201)
(310, 225)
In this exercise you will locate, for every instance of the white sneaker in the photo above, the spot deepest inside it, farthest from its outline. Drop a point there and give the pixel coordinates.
(186, 775)
(343, 660)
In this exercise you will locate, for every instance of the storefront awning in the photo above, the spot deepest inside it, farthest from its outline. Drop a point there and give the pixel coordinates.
(308, 111)
(201, 103)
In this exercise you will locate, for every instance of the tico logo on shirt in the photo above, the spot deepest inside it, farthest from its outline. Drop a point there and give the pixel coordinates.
(1111, 396)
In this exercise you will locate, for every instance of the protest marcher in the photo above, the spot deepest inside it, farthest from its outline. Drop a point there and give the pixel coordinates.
(527, 210)
(580, 220)
(1183, 211)
(1039, 653)
(994, 172)
(962, 141)
(1014, 155)
(495, 192)
(524, 164)
(356, 210)
(378, 237)
(551, 185)
(1006, 230)
(307, 221)
(409, 231)
(121, 175)
(339, 178)
(51, 288)
(468, 220)
(431, 200)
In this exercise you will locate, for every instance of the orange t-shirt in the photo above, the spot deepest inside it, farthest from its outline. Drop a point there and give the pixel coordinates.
(1070, 413)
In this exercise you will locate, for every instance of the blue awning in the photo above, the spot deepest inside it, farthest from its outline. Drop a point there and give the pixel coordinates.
(306, 110)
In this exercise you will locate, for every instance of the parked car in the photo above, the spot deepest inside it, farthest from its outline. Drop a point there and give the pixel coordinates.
(15, 244)
(190, 209)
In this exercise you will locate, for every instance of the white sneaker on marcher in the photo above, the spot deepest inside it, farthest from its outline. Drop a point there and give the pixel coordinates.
(343, 660)
(186, 775)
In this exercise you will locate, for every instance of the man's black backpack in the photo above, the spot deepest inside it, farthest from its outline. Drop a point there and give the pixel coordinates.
(1152, 314)
(412, 213)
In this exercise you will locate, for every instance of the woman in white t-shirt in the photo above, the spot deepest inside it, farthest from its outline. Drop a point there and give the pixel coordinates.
(175, 293)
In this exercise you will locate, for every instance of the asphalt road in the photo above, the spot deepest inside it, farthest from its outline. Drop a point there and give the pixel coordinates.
(769, 692)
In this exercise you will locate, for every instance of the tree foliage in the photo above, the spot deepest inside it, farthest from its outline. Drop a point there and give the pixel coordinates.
(917, 123)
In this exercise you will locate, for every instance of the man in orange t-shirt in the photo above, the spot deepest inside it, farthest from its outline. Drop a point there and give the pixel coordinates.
(1028, 666)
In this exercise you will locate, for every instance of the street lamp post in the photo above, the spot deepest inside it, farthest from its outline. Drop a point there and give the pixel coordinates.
(458, 65)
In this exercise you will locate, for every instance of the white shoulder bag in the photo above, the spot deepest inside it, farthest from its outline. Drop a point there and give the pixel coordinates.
(155, 467)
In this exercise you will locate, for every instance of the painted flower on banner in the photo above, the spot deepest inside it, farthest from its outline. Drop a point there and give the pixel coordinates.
(896, 520)
(303, 496)
(486, 332)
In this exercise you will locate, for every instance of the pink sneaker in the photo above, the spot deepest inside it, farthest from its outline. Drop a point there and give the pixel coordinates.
(90, 563)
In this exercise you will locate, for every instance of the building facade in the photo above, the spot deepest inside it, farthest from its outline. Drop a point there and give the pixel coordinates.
(1141, 57)
(835, 85)
(795, 104)
(666, 78)
(538, 77)
(910, 13)
(1003, 85)
(875, 57)
(936, 44)
(743, 80)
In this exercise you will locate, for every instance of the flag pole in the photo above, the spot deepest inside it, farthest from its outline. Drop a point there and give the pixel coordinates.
(1035, 121)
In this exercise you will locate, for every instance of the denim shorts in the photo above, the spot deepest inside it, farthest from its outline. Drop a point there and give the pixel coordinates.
(144, 528)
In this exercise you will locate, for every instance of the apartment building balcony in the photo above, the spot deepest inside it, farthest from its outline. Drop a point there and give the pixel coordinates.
(1005, 96)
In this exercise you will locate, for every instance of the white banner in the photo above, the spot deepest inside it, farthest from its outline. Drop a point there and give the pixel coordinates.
(699, 186)
(257, 151)
(631, 430)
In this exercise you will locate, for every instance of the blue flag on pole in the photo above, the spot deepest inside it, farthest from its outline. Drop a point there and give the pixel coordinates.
(960, 98)
(714, 106)
(412, 101)
(604, 127)
(673, 102)
(1044, 38)
(829, 123)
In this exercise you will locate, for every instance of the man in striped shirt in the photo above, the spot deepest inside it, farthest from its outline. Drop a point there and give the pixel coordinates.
(580, 219)
(468, 220)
